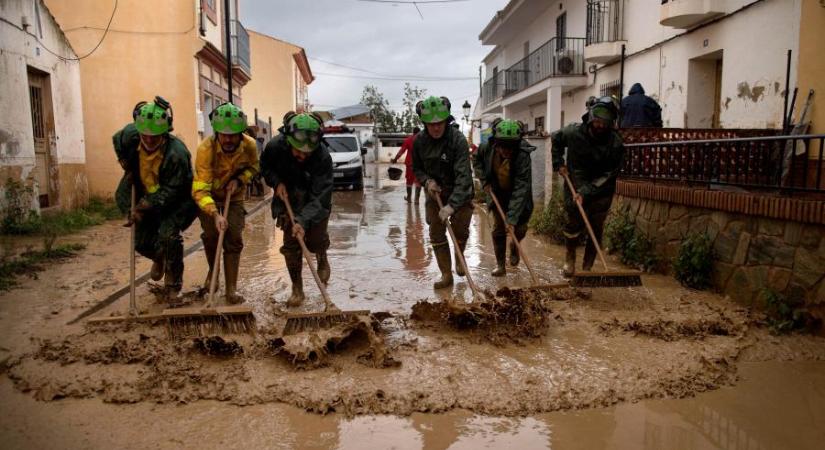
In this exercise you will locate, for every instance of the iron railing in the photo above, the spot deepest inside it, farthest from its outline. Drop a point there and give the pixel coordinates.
(493, 89)
(604, 21)
(558, 57)
(240, 47)
(769, 162)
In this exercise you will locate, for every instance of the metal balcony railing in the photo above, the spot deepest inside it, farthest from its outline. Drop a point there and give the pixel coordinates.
(493, 89)
(558, 57)
(781, 163)
(240, 47)
(604, 21)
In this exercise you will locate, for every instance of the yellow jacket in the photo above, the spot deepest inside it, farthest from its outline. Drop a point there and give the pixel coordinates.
(214, 169)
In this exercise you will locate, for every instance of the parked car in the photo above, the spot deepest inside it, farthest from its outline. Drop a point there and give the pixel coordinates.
(347, 156)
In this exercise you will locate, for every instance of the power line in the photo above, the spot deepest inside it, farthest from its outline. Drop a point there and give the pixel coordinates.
(391, 76)
(414, 3)
(362, 77)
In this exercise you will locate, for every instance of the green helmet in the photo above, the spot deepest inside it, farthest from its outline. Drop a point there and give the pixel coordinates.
(508, 130)
(228, 119)
(303, 132)
(433, 109)
(152, 120)
(605, 108)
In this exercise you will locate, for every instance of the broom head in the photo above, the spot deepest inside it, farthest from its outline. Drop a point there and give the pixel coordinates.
(626, 278)
(296, 323)
(200, 322)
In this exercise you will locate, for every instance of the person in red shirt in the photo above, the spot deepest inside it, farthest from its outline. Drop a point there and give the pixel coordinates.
(407, 147)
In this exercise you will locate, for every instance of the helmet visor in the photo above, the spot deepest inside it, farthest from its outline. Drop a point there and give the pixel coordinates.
(305, 136)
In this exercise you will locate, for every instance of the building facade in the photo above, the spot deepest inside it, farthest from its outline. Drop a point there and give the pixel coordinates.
(152, 47)
(709, 63)
(279, 80)
(41, 131)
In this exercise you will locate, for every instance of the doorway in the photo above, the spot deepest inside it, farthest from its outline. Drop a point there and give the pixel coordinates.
(704, 91)
(40, 99)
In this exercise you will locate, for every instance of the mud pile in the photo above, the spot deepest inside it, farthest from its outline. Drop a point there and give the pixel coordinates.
(510, 315)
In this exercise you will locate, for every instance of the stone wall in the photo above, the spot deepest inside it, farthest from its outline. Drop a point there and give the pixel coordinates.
(751, 252)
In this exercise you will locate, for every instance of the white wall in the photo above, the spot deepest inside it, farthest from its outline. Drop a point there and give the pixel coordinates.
(21, 50)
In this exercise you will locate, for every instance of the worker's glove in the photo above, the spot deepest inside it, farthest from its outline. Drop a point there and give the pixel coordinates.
(432, 187)
(563, 171)
(445, 213)
(394, 160)
(488, 188)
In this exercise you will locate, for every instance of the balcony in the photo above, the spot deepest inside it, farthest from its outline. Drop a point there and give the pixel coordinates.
(558, 57)
(685, 14)
(605, 32)
(240, 48)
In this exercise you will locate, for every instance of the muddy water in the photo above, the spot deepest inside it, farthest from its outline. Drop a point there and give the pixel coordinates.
(584, 384)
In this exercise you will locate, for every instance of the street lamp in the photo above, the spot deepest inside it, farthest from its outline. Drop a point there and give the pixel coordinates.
(466, 107)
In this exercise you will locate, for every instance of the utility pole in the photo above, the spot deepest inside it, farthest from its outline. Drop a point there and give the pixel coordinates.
(228, 32)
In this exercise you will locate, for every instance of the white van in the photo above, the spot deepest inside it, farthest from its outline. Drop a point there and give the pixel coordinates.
(347, 156)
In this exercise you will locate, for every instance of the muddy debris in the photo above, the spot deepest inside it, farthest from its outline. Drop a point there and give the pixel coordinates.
(310, 349)
(217, 346)
(672, 330)
(510, 315)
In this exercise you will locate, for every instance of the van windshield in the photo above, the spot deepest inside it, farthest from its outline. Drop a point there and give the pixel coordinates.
(342, 144)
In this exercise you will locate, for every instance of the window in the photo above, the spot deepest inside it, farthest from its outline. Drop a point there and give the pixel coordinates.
(561, 31)
(540, 124)
(210, 9)
(610, 89)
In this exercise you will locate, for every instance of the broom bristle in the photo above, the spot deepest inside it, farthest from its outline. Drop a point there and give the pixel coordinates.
(318, 321)
(605, 280)
(185, 327)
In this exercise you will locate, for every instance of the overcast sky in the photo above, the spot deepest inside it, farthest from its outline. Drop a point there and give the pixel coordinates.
(384, 38)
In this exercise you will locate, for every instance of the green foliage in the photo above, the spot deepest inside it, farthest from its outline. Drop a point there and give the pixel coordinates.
(634, 247)
(32, 261)
(786, 314)
(693, 266)
(19, 219)
(387, 120)
(551, 219)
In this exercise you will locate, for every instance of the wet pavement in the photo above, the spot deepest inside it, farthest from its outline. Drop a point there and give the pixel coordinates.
(612, 370)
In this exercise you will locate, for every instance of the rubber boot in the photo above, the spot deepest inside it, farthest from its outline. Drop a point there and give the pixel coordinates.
(157, 270)
(569, 258)
(459, 269)
(408, 198)
(323, 266)
(442, 256)
(417, 193)
(500, 248)
(514, 256)
(293, 265)
(231, 265)
(173, 269)
(589, 256)
(210, 259)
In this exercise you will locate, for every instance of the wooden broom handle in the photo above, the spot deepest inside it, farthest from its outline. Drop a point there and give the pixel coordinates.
(513, 237)
(460, 254)
(133, 311)
(216, 267)
(305, 251)
(586, 222)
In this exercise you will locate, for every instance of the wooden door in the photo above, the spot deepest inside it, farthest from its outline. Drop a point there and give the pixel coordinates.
(44, 136)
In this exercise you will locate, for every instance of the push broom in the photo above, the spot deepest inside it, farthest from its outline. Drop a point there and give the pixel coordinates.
(210, 319)
(600, 279)
(331, 315)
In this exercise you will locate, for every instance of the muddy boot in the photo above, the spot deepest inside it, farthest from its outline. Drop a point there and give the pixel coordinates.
(408, 198)
(442, 256)
(589, 256)
(500, 248)
(417, 193)
(157, 270)
(514, 256)
(293, 265)
(231, 263)
(569, 258)
(323, 266)
(459, 269)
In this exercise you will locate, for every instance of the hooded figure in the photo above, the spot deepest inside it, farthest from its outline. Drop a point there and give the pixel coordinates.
(639, 110)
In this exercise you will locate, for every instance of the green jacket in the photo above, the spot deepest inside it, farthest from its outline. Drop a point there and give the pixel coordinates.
(447, 161)
(593, 164)
(518, 203)
(309, 184)
(174, 196)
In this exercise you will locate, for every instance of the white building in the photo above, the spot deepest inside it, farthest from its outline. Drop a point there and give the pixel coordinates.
(41, 128)
(709, 63)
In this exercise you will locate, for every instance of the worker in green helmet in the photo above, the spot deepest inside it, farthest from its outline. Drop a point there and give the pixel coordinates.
(442, 166)
(298, 166)
(503, 166)
(159, 166)
(225, 164)
(591, 154)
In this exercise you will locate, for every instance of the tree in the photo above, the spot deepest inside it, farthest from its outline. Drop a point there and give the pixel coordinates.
(408, 118)
(382, 115)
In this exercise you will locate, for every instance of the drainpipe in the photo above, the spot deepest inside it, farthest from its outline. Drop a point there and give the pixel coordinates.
(621, 83)
(228, 33)
(785, 119)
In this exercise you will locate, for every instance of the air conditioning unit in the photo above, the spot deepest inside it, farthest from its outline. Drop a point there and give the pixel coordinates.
(565, 64)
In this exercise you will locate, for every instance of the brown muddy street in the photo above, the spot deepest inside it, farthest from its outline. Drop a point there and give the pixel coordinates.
(652, 367)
